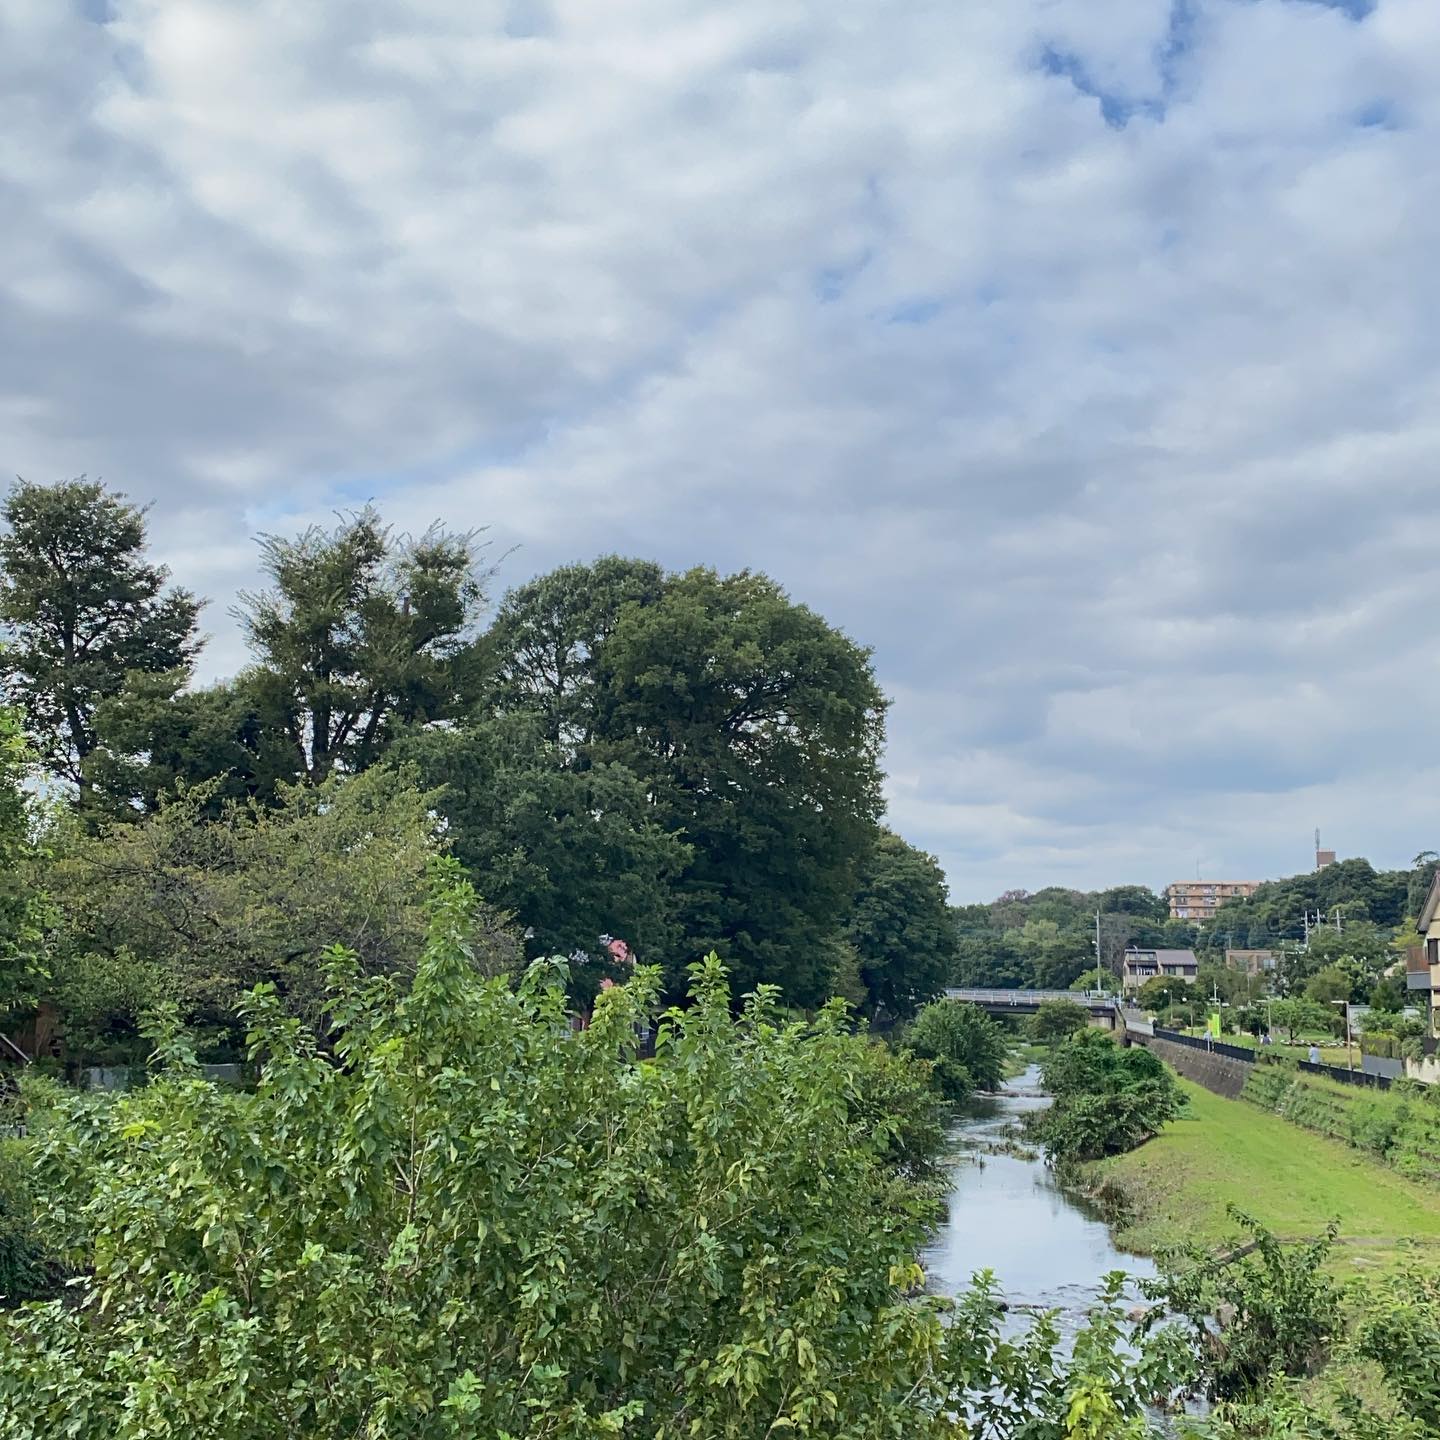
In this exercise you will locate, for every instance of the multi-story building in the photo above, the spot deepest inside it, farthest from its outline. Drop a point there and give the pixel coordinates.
(1200, 899)
(1422, 966)
(1142, 965)
(1252, 962)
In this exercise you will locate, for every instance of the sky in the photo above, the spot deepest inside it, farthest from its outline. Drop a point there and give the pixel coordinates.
(1081, 360)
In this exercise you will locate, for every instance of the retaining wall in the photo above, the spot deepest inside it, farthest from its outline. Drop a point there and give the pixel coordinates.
(1221, 1074)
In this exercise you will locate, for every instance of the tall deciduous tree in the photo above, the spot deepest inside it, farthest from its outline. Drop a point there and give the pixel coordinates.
(759, 728)
(83, 607)
(158, 736)
(548, 645)
(360, 632)
(901, 928)
(572, 853)
(753, 726)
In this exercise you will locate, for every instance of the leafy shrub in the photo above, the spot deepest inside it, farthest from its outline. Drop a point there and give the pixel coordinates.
(1055, 1019)
(1399, 1329)
(1107, 1098)
(893, 1101)
(1260, 1310)
(28, 1270)
(965, 1047)
(463, 1218)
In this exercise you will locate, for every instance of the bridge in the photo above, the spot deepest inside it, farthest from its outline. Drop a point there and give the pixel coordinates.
(1104, 1009)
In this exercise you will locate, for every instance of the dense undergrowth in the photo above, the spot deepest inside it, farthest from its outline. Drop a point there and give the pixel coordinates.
(1399, 1126)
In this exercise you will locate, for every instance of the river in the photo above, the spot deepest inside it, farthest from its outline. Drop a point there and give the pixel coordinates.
(1048, 1249)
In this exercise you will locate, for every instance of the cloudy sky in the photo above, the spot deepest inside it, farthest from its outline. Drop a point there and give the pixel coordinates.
(1079, 358)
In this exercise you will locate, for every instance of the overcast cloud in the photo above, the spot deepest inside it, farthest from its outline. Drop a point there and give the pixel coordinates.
(1079, 358)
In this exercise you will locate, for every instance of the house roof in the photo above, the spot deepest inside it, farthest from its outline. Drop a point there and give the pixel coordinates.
(1431, 905)
(1164, 957)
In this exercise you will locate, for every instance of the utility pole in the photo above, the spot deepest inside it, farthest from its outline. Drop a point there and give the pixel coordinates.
(1098, 965)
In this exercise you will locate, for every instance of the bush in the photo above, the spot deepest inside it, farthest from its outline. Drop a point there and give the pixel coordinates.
(965, 1047)
(1055, 1019)
(893, 1101)
(464, 1218)
(28, 1271)
(1107, 1098)
(1277, 1309)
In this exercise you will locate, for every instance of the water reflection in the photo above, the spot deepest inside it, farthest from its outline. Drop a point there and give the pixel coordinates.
(1007, 1214)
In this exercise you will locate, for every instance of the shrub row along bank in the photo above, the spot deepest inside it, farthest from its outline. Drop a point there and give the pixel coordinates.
(459, 1217)
(1400, 1128)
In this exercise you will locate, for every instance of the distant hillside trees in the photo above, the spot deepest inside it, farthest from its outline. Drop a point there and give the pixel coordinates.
(1046, 941)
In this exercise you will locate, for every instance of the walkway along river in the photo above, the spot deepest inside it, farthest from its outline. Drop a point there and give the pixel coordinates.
(1048, 1249)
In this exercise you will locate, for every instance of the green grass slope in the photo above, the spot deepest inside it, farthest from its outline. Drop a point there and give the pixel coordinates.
(1222, 1152)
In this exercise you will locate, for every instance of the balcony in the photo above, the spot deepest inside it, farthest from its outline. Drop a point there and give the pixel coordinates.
(1421, 980)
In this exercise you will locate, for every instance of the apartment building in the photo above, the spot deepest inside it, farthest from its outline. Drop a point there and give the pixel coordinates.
(1200, 899)
(1252, 962)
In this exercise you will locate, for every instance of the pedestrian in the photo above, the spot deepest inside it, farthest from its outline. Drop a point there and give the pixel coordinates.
(1314, 1054)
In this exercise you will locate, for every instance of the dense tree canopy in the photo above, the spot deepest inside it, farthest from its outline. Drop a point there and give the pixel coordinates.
(195, 909)
(362, 631)
(753, 727)
(901, 929)
(1276, 911)
(83, 608)
(22, 906)
(1046, 940)
(576, 853)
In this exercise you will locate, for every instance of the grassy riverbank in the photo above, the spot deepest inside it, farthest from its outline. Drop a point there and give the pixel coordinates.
(1222, 1152)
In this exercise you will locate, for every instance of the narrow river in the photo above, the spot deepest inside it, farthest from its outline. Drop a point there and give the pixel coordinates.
(1007, 1214)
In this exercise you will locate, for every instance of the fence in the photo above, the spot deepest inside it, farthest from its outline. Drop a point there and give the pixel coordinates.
(1200, 1042)
(1242, 1052)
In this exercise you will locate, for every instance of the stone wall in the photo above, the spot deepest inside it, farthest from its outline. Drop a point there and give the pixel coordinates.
(1218, 1073)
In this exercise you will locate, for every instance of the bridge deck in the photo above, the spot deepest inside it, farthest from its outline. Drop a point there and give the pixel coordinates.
(1030, 999)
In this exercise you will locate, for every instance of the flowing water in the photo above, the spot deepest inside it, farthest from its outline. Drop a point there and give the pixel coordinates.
(1048, 1249)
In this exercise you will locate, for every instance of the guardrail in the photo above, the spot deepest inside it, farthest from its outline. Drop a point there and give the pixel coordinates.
(1028, 998)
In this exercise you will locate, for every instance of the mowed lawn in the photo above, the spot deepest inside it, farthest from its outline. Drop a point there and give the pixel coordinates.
(1226, 1152)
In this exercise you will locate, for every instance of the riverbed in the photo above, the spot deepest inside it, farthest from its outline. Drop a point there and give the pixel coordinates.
(1048, 1249)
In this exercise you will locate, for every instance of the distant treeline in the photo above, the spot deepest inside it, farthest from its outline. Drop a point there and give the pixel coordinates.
(1047, 939)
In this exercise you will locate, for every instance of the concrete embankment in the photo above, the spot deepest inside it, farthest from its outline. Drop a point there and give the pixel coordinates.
(1220, 1074)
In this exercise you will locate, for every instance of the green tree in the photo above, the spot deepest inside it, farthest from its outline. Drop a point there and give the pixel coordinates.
(1160, 992)
(963, 1044)
(1300, 1016)
(1055, 1019)
(1335, 984)
(22, 901)
(1280, 1305)
(83, 608)
(754, 726)
(548, 643)
(1138, 900)
(194, 909)
(1107, 1098)
(461, 1218)
(361, 632)
(572, 853)
(157, 737)
(901, 928)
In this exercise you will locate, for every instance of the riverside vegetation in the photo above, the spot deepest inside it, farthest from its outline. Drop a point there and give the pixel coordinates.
(457, 1193)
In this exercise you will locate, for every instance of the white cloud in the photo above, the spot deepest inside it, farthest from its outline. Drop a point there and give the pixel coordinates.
(1077, 358)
